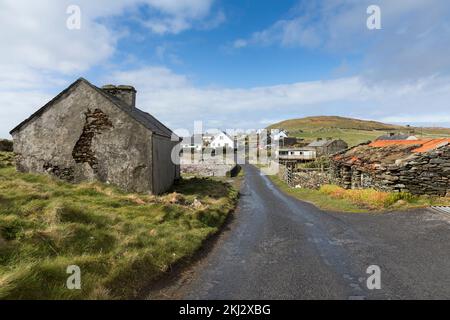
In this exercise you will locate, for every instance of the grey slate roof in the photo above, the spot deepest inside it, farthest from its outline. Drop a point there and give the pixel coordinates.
(394, 137)
(146, 119)
(320, 143)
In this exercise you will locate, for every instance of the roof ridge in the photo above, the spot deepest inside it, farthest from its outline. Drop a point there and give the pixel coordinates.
(48, 104)
(130, 111)
(148, 121)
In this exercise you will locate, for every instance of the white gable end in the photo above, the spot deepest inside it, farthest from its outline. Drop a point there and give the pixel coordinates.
(222, 140)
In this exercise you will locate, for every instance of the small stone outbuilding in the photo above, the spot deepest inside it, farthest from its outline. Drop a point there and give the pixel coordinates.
(327, 147)
(419, 167)
(90, 134)
(395, 136)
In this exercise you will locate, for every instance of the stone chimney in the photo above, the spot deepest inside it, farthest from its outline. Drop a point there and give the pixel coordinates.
(125, 93)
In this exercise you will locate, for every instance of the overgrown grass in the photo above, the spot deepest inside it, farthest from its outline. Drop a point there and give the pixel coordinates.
(334, 198)
(6, 159)
(120, 241)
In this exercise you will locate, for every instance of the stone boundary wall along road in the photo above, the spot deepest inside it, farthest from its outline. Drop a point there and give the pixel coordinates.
(420, 173)
(303, 178)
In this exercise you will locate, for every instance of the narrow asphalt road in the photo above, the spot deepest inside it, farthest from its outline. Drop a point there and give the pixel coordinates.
(278, 247)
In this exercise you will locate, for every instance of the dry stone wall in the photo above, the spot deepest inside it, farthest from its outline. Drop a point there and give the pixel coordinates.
(422, 174)
(303, 178)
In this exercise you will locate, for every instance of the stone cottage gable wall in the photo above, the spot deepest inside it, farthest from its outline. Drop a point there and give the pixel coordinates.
(84, 137)
(421, 173)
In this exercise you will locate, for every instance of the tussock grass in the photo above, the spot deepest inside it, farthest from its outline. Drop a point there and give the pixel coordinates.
(120, 241)
(377, 200)
(6, 159)
(335, 198)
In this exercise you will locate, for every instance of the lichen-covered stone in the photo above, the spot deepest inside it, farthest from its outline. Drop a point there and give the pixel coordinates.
(394, 169)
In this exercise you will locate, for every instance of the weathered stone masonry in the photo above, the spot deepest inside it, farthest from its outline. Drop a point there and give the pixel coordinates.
(90, 134)
(303, 178)
(66, 174)
(96, 123)
(419, 173)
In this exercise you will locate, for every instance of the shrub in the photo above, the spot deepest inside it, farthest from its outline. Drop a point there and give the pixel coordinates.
(405, 196)
(6, 145)
(369, 198)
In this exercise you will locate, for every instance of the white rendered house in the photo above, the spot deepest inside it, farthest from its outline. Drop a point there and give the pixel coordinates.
(222, 140)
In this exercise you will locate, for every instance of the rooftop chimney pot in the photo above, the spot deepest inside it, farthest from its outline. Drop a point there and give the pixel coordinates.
(124, 93)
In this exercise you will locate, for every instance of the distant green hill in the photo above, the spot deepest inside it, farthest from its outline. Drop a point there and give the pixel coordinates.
(353, 131)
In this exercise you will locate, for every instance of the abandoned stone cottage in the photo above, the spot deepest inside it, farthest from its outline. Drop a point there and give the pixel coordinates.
(86, 133)
(419, 167)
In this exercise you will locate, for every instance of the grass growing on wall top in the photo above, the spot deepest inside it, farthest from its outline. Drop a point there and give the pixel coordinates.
(120, 241)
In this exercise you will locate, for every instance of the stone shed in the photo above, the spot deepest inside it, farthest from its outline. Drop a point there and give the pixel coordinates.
(90, 134)
(328, 146)
(419, 167)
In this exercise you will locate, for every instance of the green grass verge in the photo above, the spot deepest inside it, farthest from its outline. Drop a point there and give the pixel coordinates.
(121, 242)
(334, 198)
(317, 198)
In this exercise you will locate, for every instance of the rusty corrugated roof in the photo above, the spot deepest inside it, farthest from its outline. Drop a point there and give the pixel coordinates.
(423, 145)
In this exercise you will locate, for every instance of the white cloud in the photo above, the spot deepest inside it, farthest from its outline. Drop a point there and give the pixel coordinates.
(288, 33)
(240, 43)
(218, 19)
(40, 53)
(175, 16)
(414, 41)
(412, 51)
(35, 36)
(35, 33)
(176, 101)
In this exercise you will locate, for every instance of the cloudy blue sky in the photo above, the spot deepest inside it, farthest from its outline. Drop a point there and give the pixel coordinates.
(233, 63)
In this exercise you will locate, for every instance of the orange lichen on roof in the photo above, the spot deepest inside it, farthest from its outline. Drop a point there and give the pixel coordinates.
(424, 145)
(432, 144)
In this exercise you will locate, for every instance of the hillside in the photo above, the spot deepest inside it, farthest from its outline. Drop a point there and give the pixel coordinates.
(354, 131)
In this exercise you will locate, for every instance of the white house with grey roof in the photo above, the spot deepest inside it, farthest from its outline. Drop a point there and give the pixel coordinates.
(90, 134)
(222, 140)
